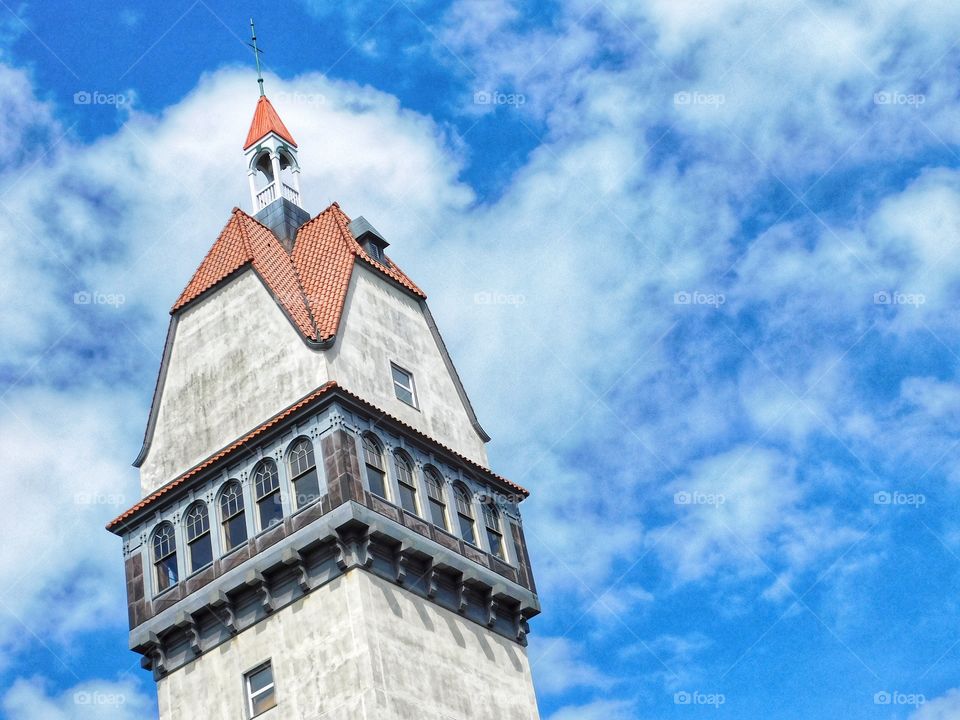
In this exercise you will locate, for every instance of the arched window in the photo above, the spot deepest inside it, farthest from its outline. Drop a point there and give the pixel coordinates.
(266, 484)
(437, 499)
(233, 516)
(165, 557)
(406, 483)
(465, 514)
(303, 472)
(376, 468)
(197, 523)
(491, 519)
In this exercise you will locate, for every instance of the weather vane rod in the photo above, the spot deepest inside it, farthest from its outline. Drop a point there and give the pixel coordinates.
(256, 54)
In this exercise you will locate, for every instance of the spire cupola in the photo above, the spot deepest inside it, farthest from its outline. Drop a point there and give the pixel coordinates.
(273, 169)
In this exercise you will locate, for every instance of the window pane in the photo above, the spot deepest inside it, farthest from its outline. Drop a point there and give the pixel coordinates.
(236, 530)
(271, 511)
(266, 479)
(437, 514)
(263, 702)
(307, 488)
(201, 552)
(197, 521)
(400, 377)
(408, 498)
(404, 394)
(466, 529)
(260, 679)
(301, 457)
(496, 543)
(167, 572)
(375, 479)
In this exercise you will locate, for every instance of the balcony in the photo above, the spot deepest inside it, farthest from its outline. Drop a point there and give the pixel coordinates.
(268, 194)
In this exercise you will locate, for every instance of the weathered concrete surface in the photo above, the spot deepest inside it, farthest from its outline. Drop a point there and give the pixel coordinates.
(360, 647)
(236, 361)
(382, 324)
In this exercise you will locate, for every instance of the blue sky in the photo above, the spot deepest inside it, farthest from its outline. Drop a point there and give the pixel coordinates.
(723, 356)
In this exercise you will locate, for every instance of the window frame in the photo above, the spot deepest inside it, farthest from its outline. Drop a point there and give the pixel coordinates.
(430, 475)
(370, 439)
(414, 401)
(259, 499)
(203, 536)
(249, 695)
(158, 560)
(493, 524)
(402, 459)
(465, 512)
(302, 474)
(225, 520)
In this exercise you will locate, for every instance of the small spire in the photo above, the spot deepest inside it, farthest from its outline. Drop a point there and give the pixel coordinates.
(256, 54)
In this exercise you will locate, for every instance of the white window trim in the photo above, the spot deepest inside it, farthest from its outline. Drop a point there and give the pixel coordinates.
(251, 695)
(412, 389)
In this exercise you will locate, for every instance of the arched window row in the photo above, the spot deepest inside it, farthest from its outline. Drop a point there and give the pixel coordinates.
(231, 507)
(435, 507)
(390, 474)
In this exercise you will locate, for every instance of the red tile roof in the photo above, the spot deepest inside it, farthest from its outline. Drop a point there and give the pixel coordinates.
(310, 283)
(265, 121)
(235, 446)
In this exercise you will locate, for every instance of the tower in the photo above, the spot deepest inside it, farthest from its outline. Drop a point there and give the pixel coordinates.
(320, 534)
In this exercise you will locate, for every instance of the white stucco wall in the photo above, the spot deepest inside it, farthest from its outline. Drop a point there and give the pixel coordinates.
(360, 647)
(382, 324)
(236, 361)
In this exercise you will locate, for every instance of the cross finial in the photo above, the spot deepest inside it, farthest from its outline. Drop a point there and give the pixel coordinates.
(256, 54)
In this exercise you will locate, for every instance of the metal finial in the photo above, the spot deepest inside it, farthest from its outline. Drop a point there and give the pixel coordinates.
(256, 54)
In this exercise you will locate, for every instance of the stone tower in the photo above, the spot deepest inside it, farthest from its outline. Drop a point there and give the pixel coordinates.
(319, 534)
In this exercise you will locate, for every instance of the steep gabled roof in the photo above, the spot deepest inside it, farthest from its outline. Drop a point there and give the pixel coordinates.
(266, 121)
(310, 283)
(244, 241)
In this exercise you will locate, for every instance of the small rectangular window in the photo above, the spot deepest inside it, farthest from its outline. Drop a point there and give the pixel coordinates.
(403, 385)
(260, 690)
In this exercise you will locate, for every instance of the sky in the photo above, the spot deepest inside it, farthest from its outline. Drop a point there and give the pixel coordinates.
(696, 262)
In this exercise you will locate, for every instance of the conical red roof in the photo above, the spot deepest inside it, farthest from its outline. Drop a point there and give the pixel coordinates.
(266, 121)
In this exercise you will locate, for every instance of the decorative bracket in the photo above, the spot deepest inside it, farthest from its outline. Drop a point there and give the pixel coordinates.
(292, 557)
(219, 602)
(186, 621)
(255, 579)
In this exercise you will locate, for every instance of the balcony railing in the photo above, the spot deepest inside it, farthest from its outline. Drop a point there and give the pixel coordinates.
(269, 194)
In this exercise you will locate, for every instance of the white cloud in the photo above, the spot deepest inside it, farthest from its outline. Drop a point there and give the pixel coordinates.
(91, 700)
(597, 710)
(945, 707)
(559, 665)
